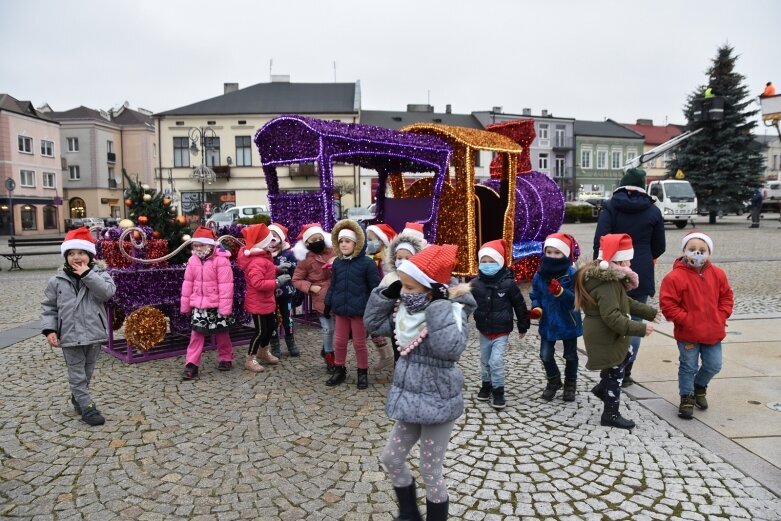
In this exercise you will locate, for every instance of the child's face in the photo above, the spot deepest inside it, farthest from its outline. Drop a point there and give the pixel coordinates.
(552, 252)
(697, 245)
(197, 246)
(314, 238)
(276, 241)
(346, 246)
(403, 255)
(485, 259)
(410, 285)
(77, 258)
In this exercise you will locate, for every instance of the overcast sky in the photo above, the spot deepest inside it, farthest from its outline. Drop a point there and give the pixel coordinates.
(585, 59)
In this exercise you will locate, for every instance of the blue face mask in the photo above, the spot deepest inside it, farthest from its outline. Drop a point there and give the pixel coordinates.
(489, 269)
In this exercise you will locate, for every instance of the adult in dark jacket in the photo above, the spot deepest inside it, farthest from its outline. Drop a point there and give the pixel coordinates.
(755, 208)
(632, 211)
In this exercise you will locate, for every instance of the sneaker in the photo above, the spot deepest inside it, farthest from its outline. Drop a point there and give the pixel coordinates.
(251, 364)
(485, 392)
(91, 416)
(498, 401)
(225, 365)
(76, 406)
(190, 372)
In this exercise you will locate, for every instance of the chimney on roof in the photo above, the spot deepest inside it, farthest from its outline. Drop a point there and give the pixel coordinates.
(544, 113)
(527, 112)
(413, 107)
(448, 109)
(496, 109)
(230, 87)
(280, 78)
(648, 122)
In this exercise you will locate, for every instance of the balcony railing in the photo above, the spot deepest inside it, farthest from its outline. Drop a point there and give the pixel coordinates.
(222, 171)
(559, 173)
(111, 157)
(112, 183)
(562, 143)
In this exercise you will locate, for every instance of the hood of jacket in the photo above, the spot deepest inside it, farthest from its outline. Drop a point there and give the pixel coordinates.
(360, 241)
(630, 201)
(389, 264)
(595, 276)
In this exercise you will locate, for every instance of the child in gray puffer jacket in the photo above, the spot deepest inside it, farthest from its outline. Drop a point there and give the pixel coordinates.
(431, 328)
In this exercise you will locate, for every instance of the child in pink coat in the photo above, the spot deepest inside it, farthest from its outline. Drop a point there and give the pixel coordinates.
(208, 292)
(262, 282)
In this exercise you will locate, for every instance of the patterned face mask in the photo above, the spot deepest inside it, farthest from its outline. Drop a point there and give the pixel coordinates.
(414, 302)
(697, 258)
(202, 253)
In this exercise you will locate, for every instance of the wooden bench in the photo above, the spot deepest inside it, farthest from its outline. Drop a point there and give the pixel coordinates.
(16, 242)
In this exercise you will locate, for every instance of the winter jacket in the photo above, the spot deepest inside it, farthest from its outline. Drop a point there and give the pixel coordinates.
(287, 290)
(389, 263)
(310, 272)
(633, 212)
(427, 384)
(497, 297)
(208, 283)
(261, 276)
(560, 320)
(697, 303)
(607, 326)
(75, 308)
(353, 277)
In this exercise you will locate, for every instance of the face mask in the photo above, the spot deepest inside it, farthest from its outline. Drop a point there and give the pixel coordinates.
(414, 302)
(202, 254)
(489, 268)
(372, 247)
(553, 265)
(696, 258)
(316, 246)
(398, 263)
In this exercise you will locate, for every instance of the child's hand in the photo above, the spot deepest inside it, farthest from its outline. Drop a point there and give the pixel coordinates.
(554, 288)
(282, 280)
(53, 340)
(658, 317)
(283, 267)
(393, 291)
(314, 288)
(648, 329)
(81, 269)
(535, 313)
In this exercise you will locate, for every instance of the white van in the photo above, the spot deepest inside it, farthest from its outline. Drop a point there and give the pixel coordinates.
(676, 200)
(235, 213)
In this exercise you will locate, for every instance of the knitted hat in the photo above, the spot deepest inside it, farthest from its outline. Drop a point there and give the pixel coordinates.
(310, 229)
(204, 235)
(383, 232)
(697, 235)
(494, 249)
(78, 239)
(432, 265)
(279, 230)
(256, 236)
(633, 177)
(348, 233)
(414, 229)
(563, 242)
(615, 247)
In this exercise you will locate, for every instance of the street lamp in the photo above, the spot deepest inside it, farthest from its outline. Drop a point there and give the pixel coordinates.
(202, 173)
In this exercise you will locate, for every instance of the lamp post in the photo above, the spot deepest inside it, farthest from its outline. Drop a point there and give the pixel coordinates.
(202, 173)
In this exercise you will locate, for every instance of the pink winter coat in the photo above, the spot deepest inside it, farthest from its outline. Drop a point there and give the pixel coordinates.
(208, 283)
(261, 276)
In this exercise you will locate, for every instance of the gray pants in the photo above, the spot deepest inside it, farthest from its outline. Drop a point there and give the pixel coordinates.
(433, 445)
(81, 364)
(755, 213)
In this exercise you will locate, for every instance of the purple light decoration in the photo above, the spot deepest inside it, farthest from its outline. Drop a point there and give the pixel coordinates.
(292, 139)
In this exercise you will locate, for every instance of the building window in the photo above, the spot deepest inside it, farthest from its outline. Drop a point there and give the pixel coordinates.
(28, 217)
(615, 160)
(78, 208)
(543, 134)
(112, 181)
(601, 159)
(154, 150)
(74, 174)
(25, 144)
(181, 152)
(543, 162)
(49, 180)
(560, 169)
(73, 144)
(243, 151)
(49, 217)
(28, 178)
(212, 145)
(776, 162)
(561, 133)
(110, 147)
(631, 153)
(585, 158)
(47, 148)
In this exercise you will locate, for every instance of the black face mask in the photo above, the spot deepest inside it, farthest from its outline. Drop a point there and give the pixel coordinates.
(316, 246)
(552, 266)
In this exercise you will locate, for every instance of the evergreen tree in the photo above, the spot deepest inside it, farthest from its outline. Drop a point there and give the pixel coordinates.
(723, 162)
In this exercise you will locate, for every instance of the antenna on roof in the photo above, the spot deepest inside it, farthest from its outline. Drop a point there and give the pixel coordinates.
(270, 63)
(334, 71)
(428, 97)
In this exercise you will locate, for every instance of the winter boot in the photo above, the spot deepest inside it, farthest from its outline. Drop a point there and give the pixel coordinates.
(612, 418)
(485, 392)
(363, 379)
(329, 363)
(570, 388)
(292, 348)
(266, 356)
(91, 416)
(76, 406)
(386, 357)
(498, 401)
(338, 376)
(554, 384)
(628, 375)
(699, 397)
(225, 365)
(275, 351)
(436, 511)
(251, 364)
(599, 390)
(190, 372)
(408, 503)
(686, 409)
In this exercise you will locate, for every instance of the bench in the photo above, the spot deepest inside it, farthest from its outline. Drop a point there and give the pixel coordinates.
(15, 242)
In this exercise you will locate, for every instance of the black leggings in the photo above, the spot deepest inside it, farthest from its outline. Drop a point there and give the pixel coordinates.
(264, 327)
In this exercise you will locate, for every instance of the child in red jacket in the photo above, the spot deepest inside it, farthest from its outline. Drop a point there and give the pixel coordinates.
(260, 274)
(697, 298)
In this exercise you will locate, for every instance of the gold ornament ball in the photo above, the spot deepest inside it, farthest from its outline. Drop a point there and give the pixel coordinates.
(147, 198)
(143, 220)
(186, 237)
(181, 220)
(126, 223)
(128, 202)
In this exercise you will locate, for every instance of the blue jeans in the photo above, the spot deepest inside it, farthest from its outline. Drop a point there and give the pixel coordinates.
(492, 359)
(547, 351)
(635, 341)
(689, 374)
(327, 325)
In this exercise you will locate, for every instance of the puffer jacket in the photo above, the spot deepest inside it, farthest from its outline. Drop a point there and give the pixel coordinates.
(313, 269)
(497, 297)
(287, 290)
(560, 320)
(389, 262)
(697, 303)
(353, 277)
(261, 276)
(427, 384)
(74, 308)
(208, 283)
(608, 327)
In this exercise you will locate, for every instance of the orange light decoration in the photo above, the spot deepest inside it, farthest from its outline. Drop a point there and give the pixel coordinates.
(143, 220)
(128, 202)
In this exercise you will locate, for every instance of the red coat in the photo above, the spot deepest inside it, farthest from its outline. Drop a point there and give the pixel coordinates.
(698, 303)
(261, 276)
(208, 283)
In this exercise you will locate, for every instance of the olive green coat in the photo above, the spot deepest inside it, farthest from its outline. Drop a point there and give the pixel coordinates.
(607, 326)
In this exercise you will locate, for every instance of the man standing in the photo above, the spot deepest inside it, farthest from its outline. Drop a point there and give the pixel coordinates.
(632, 211)
(756, 207)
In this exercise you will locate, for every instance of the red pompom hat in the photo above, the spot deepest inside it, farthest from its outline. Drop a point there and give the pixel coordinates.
(310, 229)
(432, 265)
(256, 236)
(615, 247)
(383, 232)
(279, 230)
(78, 239)
(497, 250)
(204, 235)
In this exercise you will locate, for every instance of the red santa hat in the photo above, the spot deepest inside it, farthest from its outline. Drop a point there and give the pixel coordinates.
(697, 235)
(204, 235)
(78, 239)
(256, 236)
(415, 230)
(383, 232)
(310, 229)
(280, 230)
(494, 249)
(432, 265)
(563, 242)
(615, 247)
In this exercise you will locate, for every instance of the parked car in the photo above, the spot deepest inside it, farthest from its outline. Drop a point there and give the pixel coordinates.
(234, 214)
(89, 222)
(599, 202)
(218, 220)
(72, 224)
(111, 221)
(359, 213)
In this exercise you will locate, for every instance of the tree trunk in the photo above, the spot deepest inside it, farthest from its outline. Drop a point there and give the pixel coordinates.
(712, 217)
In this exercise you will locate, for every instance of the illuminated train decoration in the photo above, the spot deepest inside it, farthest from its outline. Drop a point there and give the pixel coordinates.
(439, 160)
